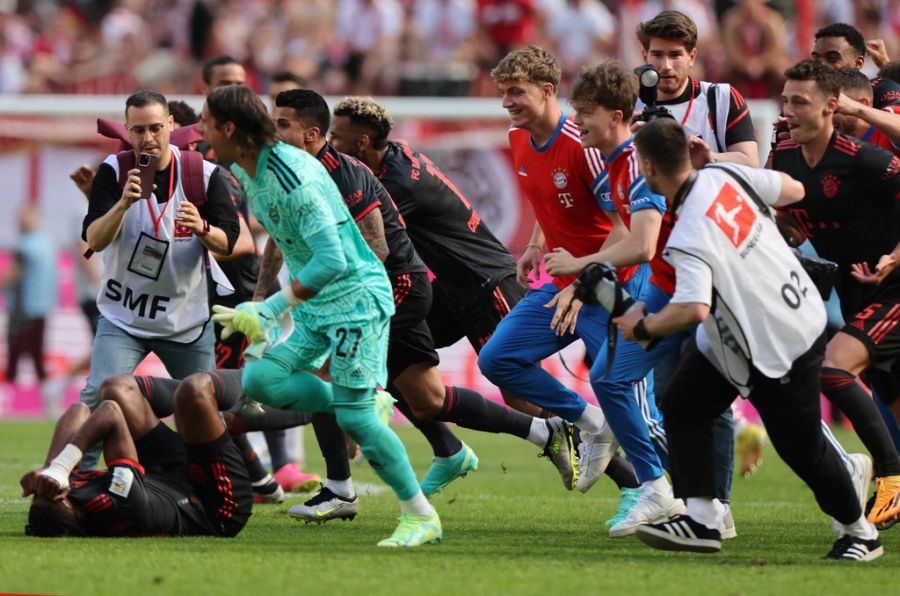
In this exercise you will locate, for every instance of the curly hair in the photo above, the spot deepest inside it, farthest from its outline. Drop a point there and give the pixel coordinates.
(854, 38)
(368, 114)
(532, 64)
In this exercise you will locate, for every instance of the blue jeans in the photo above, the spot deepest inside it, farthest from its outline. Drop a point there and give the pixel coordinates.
(117, 352)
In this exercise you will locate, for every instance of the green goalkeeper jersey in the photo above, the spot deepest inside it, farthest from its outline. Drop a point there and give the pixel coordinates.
(293, 197)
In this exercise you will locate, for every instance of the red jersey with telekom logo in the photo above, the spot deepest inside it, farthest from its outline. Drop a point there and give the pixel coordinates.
(559, 180)
(628, 193)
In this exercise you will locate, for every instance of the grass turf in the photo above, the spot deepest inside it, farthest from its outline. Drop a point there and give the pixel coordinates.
(508, 528)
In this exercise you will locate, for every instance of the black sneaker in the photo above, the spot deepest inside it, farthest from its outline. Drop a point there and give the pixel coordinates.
(560, 450)
(851, 548)
(680, 533)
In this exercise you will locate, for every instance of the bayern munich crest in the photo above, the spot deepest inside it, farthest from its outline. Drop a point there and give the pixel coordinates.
(560, 179)
(830, 186)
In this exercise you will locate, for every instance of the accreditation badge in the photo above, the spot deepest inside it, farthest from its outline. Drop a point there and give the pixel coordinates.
(148, 256)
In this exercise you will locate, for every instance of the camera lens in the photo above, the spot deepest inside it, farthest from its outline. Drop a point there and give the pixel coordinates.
(649, 77)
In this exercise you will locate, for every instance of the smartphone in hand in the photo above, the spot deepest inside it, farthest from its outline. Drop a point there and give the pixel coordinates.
(147, 164)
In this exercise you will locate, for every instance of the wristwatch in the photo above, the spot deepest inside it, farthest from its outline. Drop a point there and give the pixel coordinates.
(205, 231)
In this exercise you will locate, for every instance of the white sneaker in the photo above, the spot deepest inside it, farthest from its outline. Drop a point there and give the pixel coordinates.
(652, 507)
(324, 506)
(859, 465)
(594, 454)
(727, 528)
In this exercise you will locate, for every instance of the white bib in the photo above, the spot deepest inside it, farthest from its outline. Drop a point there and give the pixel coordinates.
(766, 312)
(154, 277)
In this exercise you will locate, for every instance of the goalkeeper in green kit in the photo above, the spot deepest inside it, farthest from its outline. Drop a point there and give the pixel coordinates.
(340, 299)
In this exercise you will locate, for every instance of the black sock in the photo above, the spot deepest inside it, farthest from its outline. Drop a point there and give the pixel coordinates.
(470, 409)
(621, 472)
(442, 440)
(277, 443)
(255, 469)
(333, 445)
(271, 419)
(842, 389)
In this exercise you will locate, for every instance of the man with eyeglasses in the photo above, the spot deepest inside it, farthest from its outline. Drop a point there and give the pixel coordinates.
(157, 273)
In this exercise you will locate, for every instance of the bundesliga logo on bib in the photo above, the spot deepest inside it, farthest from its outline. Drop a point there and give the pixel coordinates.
(732, 214)
(560, 180)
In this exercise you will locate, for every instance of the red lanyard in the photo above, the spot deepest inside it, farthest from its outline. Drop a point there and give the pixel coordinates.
(156, 220)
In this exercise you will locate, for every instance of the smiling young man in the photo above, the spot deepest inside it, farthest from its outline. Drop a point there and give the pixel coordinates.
(604, 97)
(563, 181)
(849, 215)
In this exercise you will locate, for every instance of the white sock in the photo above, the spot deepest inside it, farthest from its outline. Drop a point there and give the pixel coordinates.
(342, 488)
(592, 420)
(418, 505)
(539, 433)
(659, 485)
(861, 528)
(705, 511)
(63, 464)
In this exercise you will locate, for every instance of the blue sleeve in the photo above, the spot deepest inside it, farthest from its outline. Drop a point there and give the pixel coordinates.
(600, 187)
(328, 259)
(641, 197)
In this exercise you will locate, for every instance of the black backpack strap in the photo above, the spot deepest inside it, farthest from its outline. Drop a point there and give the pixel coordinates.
(711, 101)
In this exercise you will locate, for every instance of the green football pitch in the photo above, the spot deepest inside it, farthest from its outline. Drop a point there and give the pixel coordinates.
(509, 528)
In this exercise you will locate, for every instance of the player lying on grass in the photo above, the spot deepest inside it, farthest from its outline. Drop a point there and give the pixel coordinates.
(158, 482)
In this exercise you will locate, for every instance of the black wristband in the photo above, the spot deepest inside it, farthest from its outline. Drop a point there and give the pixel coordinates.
(640, 331)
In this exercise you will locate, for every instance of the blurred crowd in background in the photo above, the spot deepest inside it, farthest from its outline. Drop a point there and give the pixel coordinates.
(393, 47)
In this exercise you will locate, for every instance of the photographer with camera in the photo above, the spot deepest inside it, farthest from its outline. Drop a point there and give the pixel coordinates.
(719, 127)
(849, 216)
(740, 281)
(715, 115)
(155, 289)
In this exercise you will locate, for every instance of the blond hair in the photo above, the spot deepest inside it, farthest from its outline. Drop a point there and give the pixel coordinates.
(532, 64)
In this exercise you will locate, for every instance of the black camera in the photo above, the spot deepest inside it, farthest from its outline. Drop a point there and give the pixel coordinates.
(648, 78)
